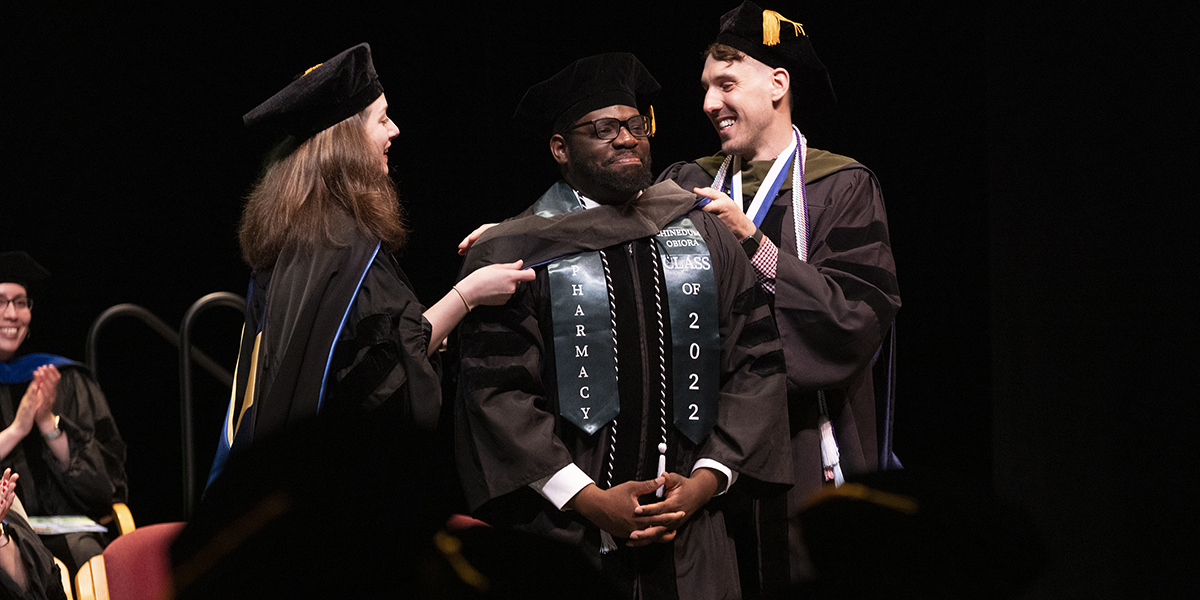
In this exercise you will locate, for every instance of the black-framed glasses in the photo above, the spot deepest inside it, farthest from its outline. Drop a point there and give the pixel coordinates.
(19, 303)
(609, 128)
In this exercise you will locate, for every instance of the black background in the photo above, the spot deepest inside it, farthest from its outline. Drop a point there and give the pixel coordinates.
(1038, 170)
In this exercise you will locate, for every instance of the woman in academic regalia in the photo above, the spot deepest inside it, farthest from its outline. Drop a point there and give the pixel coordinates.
(58, 432)
(334, 333)
(326, 473)
(27, 569)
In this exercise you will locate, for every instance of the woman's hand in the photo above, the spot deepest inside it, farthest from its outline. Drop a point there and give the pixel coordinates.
(494, 284)
(28, 410)
(46, 377)
(468, 241)
(8, 491)
(491, 285)
(11, 561)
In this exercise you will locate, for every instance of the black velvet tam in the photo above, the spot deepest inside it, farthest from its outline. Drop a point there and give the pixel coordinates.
(615, 78)
(20, 268)
(320, 97)
(776, 41)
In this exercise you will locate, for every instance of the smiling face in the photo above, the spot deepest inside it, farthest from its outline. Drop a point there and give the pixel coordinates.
(607, 171)
(746, 101)
(380, 129)
(14, 323)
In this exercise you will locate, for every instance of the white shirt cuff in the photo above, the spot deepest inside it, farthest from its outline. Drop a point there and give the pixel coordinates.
(708, 463)
(560, 487)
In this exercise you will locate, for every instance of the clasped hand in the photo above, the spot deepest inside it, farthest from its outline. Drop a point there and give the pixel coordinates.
(8, 491)
(617, 511)
(37, 405)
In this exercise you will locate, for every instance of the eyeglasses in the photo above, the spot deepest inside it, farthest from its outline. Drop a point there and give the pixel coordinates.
(20, 304)
(610, 128)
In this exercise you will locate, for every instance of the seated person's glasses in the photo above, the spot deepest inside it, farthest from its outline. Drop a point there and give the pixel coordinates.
(610, 128)
(20, 303)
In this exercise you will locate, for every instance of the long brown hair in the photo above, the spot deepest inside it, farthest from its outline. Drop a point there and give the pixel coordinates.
(306, 182)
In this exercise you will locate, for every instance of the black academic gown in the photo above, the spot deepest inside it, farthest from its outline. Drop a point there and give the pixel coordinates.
(508, 430)
(834, 313)
(43, 581)
(332, 335)
(95, 476)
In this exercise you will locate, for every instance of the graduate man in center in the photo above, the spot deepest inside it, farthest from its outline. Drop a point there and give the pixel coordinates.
(615, 399)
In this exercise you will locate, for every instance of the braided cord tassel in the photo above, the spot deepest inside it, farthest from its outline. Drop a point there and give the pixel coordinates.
(607, 543)
(612, 307)
(719, 181)
(800, 201)
(662, 370)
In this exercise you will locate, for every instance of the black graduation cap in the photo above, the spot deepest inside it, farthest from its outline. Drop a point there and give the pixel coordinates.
(777, 41)
(586, 85)
(18, 267)
(320, 97)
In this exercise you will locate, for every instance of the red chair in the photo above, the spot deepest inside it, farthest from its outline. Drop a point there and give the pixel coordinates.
(135, 566)
(457, 523)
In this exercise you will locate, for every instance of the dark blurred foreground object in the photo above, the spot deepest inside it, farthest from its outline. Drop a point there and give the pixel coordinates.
(354, 516)
(900, 534)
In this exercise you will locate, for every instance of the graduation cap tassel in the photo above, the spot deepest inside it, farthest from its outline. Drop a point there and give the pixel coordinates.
(607, 543)
(829, 450)
(771, 26)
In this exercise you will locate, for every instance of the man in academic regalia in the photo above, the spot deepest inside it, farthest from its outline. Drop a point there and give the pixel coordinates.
(625, 398)
(815, 227)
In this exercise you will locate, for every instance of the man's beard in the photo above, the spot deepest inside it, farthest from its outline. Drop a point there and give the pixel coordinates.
(743, 145)
(624, 183)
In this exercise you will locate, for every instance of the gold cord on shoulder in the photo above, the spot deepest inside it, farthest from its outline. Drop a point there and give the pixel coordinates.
(311, 69)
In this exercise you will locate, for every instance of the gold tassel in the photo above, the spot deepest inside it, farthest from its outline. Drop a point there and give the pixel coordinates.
(653, 122)
(771, 23)
(451, 548)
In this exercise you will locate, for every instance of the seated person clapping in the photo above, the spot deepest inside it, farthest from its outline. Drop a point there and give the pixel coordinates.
(58, 432)
(27, 568)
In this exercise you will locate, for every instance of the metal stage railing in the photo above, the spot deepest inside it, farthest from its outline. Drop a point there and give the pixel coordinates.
(185, 385)
(188, 354)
